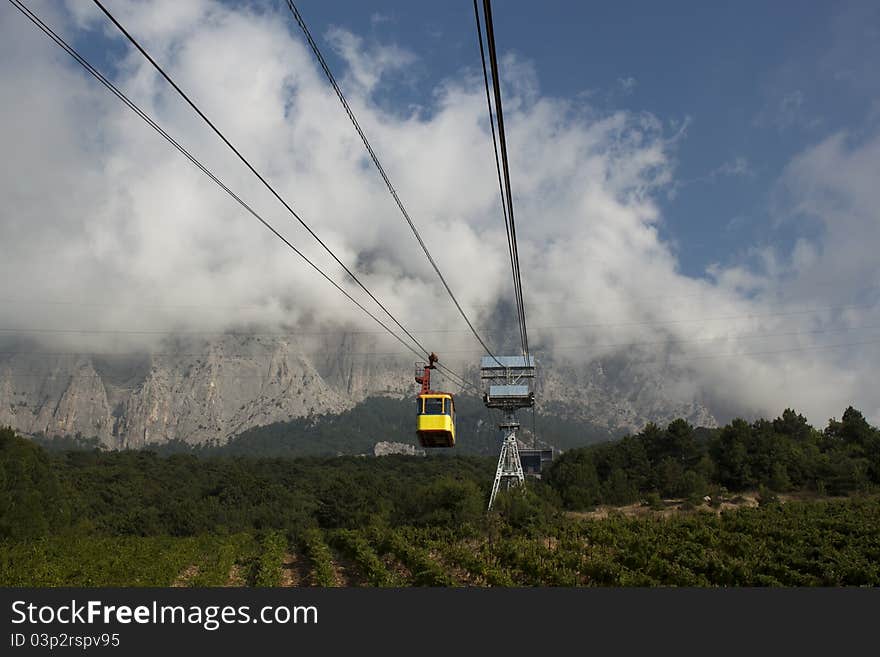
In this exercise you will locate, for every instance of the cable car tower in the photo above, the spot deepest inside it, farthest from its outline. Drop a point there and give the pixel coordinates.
(507, 381)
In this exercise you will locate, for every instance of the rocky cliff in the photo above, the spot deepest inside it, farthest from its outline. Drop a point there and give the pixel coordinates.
(212, 389)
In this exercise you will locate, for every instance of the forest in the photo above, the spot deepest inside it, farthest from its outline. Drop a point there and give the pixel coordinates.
(92, 517)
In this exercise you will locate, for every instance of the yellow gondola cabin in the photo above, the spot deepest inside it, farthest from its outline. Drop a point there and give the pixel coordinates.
(435, 424)
(436, 420)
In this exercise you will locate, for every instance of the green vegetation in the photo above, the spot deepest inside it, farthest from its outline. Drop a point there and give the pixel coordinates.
(780, 455)
(323, 573)
(358, 548)
(816, 543)
(268, 566)
(231, 551)
(81, 560)
(474, 558)
(90, 518)
(425, 569)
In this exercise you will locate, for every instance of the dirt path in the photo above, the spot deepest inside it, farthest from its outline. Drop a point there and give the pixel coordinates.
(461, 575)
(396, 568)
(672, 507)
(186, 576)
(294, 570)
(236, 576)
(346, 572)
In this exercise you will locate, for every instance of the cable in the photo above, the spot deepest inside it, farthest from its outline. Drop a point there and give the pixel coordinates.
(241, 157)
(330, 77)
(496, 84)
(498, 164)
(135, 108)
(458, 379)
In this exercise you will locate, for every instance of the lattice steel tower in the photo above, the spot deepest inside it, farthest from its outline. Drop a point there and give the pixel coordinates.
(507, 381)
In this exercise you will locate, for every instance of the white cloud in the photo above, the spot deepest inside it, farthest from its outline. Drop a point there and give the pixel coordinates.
(738, 167)
(833, 187)
(627, 85)
(99, 210)
(378, 18)
(787, 110)
(367, 66)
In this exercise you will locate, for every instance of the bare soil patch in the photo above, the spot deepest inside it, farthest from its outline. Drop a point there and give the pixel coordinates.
(236, 576)
(396, 567)
(186, 576)
(294, 570)
(673, 507)
(346, 572)
(462, 576)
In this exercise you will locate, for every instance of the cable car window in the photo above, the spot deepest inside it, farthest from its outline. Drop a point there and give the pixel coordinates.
(433, 406)
(419, 405)
(448, 404)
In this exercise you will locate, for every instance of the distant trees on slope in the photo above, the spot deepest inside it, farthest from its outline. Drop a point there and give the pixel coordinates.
(781, 455)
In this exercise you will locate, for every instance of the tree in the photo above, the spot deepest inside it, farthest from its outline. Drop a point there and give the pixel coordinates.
(854, 428)
(619, 489)
(449, 502)
(693, 485)
(779, 480)
(575, 478)
(681, 442)
(32, 500)
(792, 424)
(731, 454)
(522, 509)
(669, 477)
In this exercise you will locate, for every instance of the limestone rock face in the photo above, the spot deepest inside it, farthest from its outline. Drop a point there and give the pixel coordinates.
(194, 391)
(617, 394)
(56, 396)
(232, 387)
(386, 448)
(209, 390)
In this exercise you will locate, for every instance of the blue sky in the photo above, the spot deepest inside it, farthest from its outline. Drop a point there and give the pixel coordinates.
(756, 82)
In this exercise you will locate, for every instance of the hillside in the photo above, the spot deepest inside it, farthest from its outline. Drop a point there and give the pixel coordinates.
(383, 419)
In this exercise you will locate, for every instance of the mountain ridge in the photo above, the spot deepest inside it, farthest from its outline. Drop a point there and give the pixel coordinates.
(210, 390)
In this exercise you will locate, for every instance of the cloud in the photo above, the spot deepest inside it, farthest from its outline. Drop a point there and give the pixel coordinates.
(627, 85)
(832, 186)
(367, 66)
(105, 227)
(738, 167)
(787, 110)
(378, 18)
(736, 223)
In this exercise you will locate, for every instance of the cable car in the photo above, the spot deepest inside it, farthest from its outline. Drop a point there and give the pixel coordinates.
(436, 410)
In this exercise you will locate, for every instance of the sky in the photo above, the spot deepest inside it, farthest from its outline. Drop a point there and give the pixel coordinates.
(694, 183)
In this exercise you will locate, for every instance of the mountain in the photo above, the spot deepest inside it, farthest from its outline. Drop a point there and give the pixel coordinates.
(208, 390)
